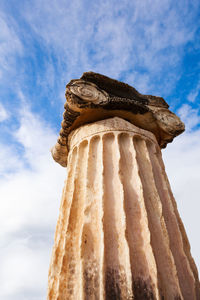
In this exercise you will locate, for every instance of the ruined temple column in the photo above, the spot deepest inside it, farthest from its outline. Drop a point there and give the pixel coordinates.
(119, 234)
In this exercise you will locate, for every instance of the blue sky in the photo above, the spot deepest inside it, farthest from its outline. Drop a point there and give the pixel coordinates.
(152, 45)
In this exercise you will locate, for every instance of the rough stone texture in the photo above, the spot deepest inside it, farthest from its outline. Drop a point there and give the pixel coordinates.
(97, 97)
(119, 234)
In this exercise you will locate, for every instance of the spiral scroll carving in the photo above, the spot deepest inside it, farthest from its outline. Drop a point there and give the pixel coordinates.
(88, 92)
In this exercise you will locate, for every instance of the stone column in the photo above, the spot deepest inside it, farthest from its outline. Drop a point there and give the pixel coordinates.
(119, 234)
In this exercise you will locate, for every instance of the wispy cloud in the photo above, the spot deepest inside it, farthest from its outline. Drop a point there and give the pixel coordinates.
(192, 96)
(4, 115)
(10, 44)
(190, 116)
(117, 40)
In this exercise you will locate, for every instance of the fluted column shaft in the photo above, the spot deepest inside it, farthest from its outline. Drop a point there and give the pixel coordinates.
(119, 234)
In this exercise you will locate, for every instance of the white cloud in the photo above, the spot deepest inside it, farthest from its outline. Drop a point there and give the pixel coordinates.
(30, 195)
(182, 161)
(9, 160)
(24, 269)
(190, 116)
(34, 135)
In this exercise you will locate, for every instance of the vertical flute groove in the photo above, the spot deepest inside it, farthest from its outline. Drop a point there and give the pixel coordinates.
(115, 262)
(143, 266)
(102, 273)
(71, 265)
(110, 234)
(186, 244)
(91, 246)
(185, 274)
(61, 228)
(124, 256)
(165, 264)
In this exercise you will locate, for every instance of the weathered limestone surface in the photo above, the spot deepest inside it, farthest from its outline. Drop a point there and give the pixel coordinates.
(119, 234)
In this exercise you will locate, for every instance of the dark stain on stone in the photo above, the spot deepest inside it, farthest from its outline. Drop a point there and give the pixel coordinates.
(91, 284)
(112, 288)
(177, 297)
(142, 290)
(116, 285)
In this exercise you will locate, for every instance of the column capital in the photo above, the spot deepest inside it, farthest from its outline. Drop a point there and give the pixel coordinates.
(95, 97)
